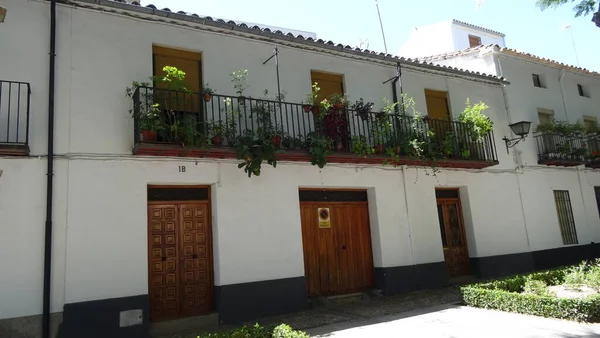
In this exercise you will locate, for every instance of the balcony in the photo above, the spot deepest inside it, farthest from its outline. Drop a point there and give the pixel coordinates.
(568, 150)
(174, 123)
(14, 118)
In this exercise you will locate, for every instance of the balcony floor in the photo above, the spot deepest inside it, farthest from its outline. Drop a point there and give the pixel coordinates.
(172, 150)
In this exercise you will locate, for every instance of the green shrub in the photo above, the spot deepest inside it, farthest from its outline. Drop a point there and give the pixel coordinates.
(575, 276)
(536, 287)
(257, 331)
(520, 294)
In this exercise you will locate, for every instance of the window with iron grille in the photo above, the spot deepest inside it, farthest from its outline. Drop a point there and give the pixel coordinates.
(565, 217)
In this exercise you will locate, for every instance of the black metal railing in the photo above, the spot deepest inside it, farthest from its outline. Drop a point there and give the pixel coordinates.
(566, 149)
(220, 120)
(14, 112)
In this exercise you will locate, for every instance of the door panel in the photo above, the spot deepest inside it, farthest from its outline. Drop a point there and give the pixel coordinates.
(163, 261)
(453, 235)
(180, 260)
(196, 284)
(338, 259)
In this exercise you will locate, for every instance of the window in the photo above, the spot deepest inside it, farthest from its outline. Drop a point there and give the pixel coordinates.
(565, 217)
(582, 91)
(474, 41)
(545, 116)
(537, 81)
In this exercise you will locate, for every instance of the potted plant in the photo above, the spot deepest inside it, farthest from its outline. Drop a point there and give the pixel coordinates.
(277, 136)
(319, 146)
(216, 129)
(207, 92)
(238, 78)
(449, 145)
(466, 154)
(360, 146)
(254, 150)
(338, 101)
(311, 99)
(478, 125)
(363, 110)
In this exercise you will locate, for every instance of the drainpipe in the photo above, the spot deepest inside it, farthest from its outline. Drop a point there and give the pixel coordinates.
(49, 178)
(562, 92)
(394, 92)
(517, 158)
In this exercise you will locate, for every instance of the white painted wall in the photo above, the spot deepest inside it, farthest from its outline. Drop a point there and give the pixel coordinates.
(100, 198)
(460, 35)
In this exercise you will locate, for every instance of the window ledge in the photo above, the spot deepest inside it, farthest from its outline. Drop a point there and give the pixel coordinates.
(14, 149)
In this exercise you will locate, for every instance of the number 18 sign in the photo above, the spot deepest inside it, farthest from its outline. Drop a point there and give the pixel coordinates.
(324, 218)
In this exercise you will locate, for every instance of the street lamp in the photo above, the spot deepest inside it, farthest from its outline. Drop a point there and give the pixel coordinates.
(520, 129)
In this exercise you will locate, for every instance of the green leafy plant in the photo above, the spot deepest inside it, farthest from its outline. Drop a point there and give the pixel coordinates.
(479, 124)
(449, 146)
(523, 294)
(361, 147)
(536, 287)
(319, 147)
(238, 78)
(363, 109)
(254, 150)
(257, 331)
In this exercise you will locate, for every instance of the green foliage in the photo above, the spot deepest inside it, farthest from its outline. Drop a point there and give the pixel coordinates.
(582, 8)
(361, 147)
(524, 294)
(311, 98)
(536, 287)
(254, 150)
(238, 78)
(480, 125)
(319, 147)
(257, 331)
(562, 128)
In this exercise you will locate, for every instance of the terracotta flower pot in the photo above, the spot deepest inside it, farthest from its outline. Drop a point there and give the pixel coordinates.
(241, 100)
(315, 109)
(276, 141)
(338, 106)
(379, 148)
(217, 140)
(149, 135)
(207, 97)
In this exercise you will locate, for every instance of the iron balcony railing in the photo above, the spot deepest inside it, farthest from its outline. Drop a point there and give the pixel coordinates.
(14, 112)
(566, 149)
(222, 119)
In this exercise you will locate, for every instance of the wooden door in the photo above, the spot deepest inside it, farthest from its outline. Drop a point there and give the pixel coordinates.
(454, 240)
(439, 113)
(338, 258)
(189, 63)
(180, 269)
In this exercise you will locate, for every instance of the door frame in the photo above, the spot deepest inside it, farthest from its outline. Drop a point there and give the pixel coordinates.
(209, 234)
(370, 238)
(463, 229)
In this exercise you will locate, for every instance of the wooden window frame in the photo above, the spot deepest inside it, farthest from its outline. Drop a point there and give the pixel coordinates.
(474, 37)
(566, 220)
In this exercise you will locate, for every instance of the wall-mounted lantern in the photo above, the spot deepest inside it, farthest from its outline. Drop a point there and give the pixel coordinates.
(521, 129)
(2, 14)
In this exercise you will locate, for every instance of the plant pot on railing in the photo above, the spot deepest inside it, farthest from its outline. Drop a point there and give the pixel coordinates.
(207, 97)
(241, 100)
(149, 135)
(217, 140)
(306, 108)
(276, 141)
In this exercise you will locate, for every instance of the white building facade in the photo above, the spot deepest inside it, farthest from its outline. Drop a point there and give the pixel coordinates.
(150, 231)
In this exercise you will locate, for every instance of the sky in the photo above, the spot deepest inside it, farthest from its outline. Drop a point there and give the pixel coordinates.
(527, 28)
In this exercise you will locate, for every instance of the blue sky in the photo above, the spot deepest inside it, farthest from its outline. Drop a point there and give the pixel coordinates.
(527, 29)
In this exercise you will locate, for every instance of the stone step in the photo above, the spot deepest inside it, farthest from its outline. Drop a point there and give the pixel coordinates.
(206, 323)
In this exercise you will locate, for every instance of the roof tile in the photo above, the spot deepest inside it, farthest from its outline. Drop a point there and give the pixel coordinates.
(413, 62)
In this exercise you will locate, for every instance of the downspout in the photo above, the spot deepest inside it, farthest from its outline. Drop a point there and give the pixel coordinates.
(394, 91)
(49, 178)
(506, 106)
(562, 92)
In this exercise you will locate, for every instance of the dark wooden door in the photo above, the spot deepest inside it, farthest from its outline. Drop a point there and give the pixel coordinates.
(180, 261)
(454, 240)
(338, 258)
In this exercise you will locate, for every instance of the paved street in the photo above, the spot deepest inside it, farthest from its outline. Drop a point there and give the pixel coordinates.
(451, 321)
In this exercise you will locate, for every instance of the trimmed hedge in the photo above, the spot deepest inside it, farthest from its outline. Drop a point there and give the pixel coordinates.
(257, 331)
(505, 295)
